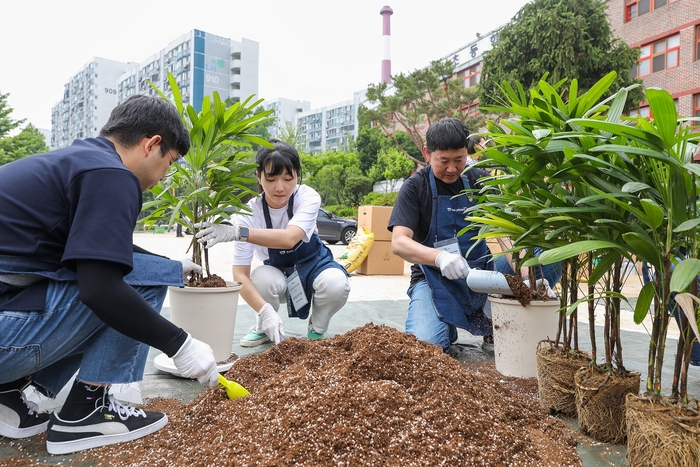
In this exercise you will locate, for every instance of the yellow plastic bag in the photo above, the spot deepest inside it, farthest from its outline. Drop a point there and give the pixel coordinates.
(357, 250)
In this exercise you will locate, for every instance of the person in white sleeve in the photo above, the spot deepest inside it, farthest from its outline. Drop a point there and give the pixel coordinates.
(281, 231)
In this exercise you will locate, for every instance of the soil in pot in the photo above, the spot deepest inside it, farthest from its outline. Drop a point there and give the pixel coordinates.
(372, 397)
(209, 281)
(662, 432)
(600, 402)
(555, 377)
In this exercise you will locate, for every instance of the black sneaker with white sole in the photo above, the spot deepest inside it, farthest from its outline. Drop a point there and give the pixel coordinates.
(110, 423)
(19, 418)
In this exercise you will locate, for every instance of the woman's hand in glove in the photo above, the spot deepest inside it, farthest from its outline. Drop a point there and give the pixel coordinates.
(271, 323)
(211, 234)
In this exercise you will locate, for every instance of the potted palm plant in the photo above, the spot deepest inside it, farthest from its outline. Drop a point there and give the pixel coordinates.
(662, 201)
(209, 185)
(547, 197)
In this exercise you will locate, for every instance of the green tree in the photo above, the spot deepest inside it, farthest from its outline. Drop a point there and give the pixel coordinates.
(336, 176)
(371, 140)
(290, 134)
(28, 142)
(357, 185)
(7, 124)
(391, 165)
(416, 100)
(567, 40)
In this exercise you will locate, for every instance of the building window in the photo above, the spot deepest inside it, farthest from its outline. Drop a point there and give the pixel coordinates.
(697, 42)
(634, 8)
(659, 56)
(472, 75)
(696, 107)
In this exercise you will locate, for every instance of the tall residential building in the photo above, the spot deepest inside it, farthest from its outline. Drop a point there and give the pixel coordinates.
(88, 98)
(285, 112)
(201, 63)
(330, 127)
(667, 34)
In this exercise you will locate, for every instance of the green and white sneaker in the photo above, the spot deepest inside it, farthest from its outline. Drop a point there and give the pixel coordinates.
(254, 338)
(313, 335)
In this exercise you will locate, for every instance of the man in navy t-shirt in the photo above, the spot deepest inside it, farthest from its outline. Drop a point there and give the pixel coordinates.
(76, 294)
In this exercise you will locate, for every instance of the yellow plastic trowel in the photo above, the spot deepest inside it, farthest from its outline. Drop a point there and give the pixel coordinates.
(233, 389)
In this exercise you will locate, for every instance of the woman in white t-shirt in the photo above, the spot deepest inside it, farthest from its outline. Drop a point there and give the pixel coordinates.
(281, 231)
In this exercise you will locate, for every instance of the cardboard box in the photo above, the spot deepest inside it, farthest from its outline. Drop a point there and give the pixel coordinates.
(375, 219)
(381, 261)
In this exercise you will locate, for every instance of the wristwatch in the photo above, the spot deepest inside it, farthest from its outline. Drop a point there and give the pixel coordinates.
(244, 233)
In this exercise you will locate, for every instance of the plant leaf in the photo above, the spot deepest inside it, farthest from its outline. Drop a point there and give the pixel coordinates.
(646, 295)
(685, 300)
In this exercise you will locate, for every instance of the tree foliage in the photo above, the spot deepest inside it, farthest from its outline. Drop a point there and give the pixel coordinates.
(27, 142)
(336, 176)
(372, 140)
(290, 133)
(567, 40)
(391, 166)
(414, 101)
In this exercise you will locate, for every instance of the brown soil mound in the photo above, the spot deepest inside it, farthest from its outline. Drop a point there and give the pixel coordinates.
(372, 397)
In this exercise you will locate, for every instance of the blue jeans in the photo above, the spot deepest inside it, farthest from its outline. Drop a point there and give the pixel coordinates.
(423, 321)
(53, 343)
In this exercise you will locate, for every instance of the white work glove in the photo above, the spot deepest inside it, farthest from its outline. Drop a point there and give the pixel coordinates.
(452, 266)
(271, 323)
(215, 233)
(542, 283)
(189, 266)
(195, 359)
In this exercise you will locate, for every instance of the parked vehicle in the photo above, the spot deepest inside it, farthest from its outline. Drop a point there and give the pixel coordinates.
(334, 229)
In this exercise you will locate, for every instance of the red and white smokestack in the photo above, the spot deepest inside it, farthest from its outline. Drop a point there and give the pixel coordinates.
(386, 13)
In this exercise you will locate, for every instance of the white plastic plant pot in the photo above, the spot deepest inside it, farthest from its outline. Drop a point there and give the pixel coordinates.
(516, 332)
(488, 282)
(208, 313)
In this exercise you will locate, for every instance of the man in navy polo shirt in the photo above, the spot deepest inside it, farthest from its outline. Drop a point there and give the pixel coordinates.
(76, 294)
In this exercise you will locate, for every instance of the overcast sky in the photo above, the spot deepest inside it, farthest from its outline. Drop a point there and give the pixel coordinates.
(314, 50)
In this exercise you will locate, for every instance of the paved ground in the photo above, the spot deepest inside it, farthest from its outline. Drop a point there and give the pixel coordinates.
(377, 299)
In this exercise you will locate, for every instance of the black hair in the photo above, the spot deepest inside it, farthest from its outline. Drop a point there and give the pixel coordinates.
(281, 158)
(448, 133)
(141, 117)
(472, 142)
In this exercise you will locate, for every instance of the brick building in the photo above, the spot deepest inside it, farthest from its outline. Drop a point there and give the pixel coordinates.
(667, 32)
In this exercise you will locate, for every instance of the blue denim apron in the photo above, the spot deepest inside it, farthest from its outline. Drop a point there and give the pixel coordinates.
(455, 302)
(308, 259)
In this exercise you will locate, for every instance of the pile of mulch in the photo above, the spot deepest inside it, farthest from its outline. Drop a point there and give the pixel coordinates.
(372, 397)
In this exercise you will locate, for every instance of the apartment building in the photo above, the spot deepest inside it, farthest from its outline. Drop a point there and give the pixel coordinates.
(285, 112)
(330, 127)
(201, 63)
(88, 98)
(667, 33)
